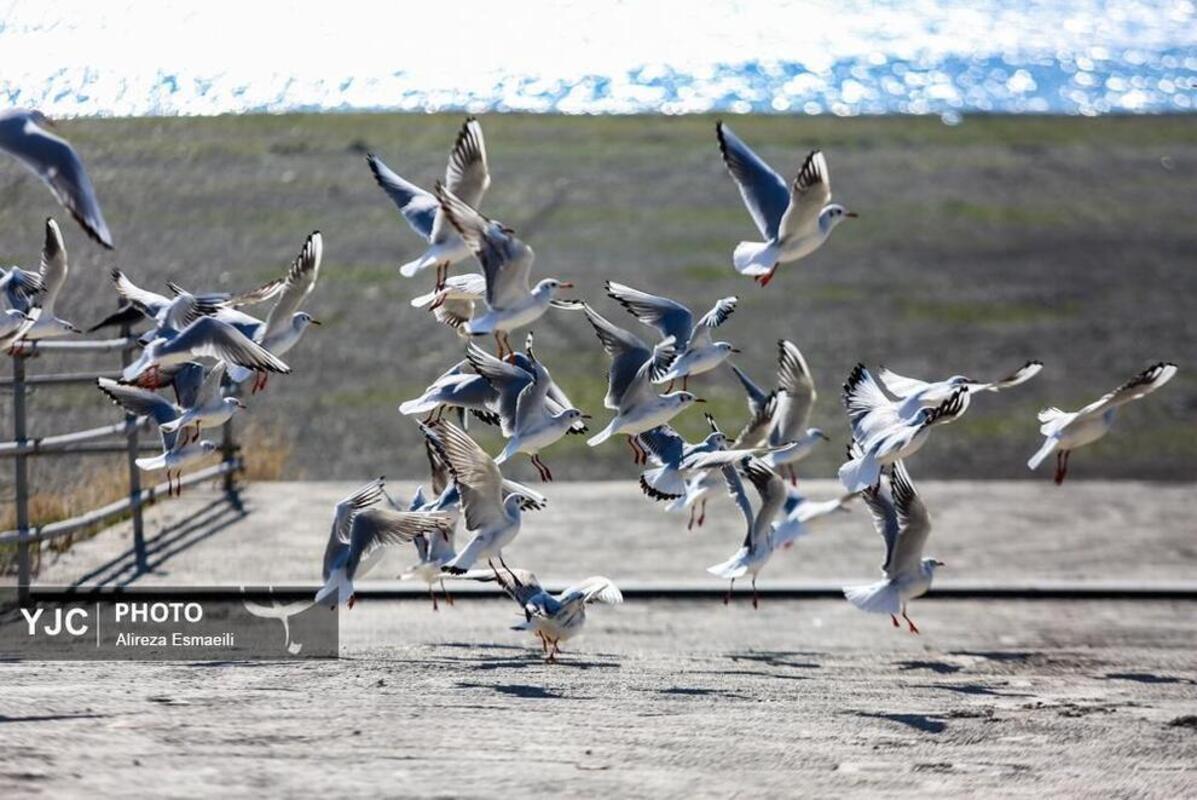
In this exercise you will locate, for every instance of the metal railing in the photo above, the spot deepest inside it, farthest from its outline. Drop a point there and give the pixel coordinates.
(103, 440)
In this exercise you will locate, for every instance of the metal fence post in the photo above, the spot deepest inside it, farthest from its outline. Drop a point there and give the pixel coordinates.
(22, 477)
(132, 447)
(228, 452)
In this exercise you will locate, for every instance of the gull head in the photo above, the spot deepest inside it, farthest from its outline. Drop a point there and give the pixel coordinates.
(833, 214)
(726, 348)
(684, 399)
(549, 286)
(303, 319)
(817, 433)
(930, 565)
(207, 446)
(716, 440)
(236, 402)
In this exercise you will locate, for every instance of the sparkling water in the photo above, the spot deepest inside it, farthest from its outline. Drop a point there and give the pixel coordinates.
(673, 56)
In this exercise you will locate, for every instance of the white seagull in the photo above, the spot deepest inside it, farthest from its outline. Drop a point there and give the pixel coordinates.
(916, 394)
(794, 220)
(779, 419)
(903, 523)
(285, 323)
(492, 506)
(53, 275)
(881, 435)
(506, 261)
(25, 136)
(359, 530)
(467, 177)
(630, 392)
(206, 337)
(1068, 430)
(533, 412)
(454, 303)
(552, 618)
(435, 550)
(696, 352)
(799, 513)
(760, 541)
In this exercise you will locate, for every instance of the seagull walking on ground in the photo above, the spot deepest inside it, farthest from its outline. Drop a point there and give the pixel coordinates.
(467, 177)
(1065, 431)
(27, 136)
(696, 352)
(359, 530)
(794, 220)
(552, 618)
(903, 522)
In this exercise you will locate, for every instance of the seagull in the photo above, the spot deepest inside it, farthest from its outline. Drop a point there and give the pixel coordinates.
(492, 506)
(211, 411)
(53, 275)
(760, 541)
(25, 135)
(1068, 430)
(206, 337)
(359, 530)
(454, 303)
(506, 263)
(438, 549)
(460, 387)
(676, 459)
(917, 394)
(779, 419)
(630, 393)
(696, 352)
(533, 412)
(881, 436)
(467, 177)
(795, 221)
(138, 303)
(553, 618)
(286, 323)
(699, 483)
(903, 523)
(799, 513)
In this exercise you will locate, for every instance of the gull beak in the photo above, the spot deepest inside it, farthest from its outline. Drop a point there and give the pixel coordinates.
(851, 215)
(824, 437)
(566, 284)
(241, 404)
(316, 322)
(736, 350)
(699, 399)
(587, 416)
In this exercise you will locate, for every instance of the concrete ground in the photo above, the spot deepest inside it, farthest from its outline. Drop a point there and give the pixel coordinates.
(658, 698)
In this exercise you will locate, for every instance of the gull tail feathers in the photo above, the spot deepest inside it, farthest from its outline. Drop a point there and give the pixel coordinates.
(603, 435)
(663, 483)
(1048, 448)
(734, 567)
(755, 258)
(860, 473)
(337, 587)
(430, 258)
(876, 598)
(417, 406)
(1053, 420)
(152, 462)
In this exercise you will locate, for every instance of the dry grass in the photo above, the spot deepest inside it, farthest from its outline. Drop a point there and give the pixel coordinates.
(266, 448)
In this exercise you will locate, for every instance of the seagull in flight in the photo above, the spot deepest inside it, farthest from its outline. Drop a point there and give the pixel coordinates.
(881, 435)
(696, 352)
(506, 261)
(467, 176)
(916, 394)
(903, 522)
(630, 391)
(359, 530)
(28, 137)
(760, 541)
(794, 220)
(1065, 431)
(52, 277)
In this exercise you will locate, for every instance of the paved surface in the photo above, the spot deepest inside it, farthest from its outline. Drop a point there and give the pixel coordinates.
(1043, 699)
(658, 698)
(1014, 532)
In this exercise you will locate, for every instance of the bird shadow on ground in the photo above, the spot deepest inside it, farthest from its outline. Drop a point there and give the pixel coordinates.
(697, 691)
(921, 722)
(5, 719)
(520, 690)
(757, 672)
(974, 689)
(1147, 677)
(938, 667)
(996, 655)
(778, 658)
(522, 659)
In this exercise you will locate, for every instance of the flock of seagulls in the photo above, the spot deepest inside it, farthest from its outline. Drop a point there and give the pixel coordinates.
(206, 347)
